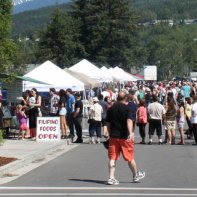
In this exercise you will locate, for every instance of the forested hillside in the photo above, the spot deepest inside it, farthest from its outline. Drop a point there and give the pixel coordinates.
(112, 33)
(166, 9)
(27, 22)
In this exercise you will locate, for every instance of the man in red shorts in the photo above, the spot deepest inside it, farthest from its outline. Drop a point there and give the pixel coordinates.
(120, 127)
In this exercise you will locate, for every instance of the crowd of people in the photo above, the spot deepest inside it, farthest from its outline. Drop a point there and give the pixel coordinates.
(63, 104)
(167, 107)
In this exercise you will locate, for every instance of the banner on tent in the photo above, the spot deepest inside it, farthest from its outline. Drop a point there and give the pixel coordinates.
(48, 128)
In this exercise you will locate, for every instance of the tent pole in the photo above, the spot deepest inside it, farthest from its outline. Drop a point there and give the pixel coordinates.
(84, 93)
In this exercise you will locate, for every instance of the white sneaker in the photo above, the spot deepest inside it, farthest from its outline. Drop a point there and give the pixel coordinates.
(92, 141)
(112, 182)
(139, 175)
(98, 141)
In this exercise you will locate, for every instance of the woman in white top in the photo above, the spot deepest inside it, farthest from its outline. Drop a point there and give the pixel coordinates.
(181, 121)
(62, 113)
(95, 115)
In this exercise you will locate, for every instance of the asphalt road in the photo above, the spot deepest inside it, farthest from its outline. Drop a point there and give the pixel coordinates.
(170, 171)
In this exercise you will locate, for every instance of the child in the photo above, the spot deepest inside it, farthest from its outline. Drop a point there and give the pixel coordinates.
(31, 100)
(22, 118)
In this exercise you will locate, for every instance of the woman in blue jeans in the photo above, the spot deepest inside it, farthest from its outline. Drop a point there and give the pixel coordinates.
(95, 126)
(95, 115)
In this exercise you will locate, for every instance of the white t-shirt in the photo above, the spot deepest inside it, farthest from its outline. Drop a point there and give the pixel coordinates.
(194, 113)
(96, 112)
(163, 92)
(32, 100)
(156, 111)
(105, 93)
(174, 93)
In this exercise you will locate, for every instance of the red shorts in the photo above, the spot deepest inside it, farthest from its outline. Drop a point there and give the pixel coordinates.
(23, 127)
(117, 145)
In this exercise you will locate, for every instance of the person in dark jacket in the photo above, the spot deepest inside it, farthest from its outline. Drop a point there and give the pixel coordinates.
(77, 116)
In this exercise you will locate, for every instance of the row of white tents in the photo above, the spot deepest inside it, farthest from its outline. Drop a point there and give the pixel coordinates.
(81, 76)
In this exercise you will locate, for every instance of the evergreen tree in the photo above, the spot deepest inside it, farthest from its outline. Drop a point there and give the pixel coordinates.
(7, 46)
(59, 41)
(107, 30)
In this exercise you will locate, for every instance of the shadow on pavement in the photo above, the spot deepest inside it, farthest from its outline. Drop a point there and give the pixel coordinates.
(89, 181)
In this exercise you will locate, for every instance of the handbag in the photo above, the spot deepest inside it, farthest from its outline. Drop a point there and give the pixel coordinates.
(91, 120)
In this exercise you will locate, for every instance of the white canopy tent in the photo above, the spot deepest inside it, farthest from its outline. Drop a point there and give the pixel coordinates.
(89, 69)
(121, 75)
(107, 72)
(88, 82)
(51, 74)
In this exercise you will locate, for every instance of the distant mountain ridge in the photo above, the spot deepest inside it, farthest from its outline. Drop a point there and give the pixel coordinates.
(25, 5)
(18, 2)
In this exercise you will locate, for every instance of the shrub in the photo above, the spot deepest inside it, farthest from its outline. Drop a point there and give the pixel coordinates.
(1, 136)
